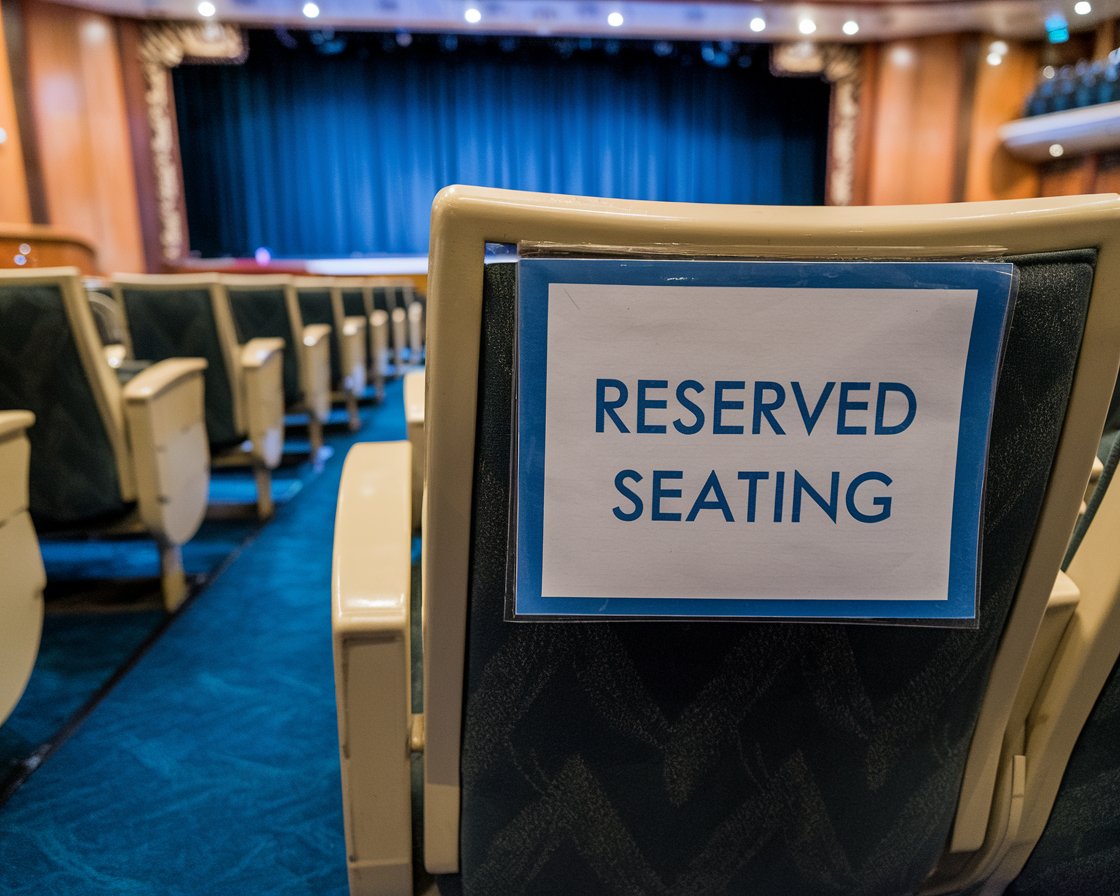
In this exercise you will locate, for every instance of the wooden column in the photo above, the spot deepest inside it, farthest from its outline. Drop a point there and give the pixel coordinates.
(15, 207)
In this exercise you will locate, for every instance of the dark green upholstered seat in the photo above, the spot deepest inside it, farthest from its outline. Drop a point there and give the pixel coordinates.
(315, 307)
(73, 478)
(756, 758)
(181, 324)
(263, 312)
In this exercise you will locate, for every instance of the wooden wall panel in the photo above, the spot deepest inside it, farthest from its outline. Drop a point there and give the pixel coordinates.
(82, 130)
(1000, 93)
(15, 207)
(917, 98)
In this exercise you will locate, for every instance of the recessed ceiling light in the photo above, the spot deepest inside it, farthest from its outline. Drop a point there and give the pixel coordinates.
(206, 9)
(310, 10)
(615, 19)
(806, 26)
(851, 27)
(758, 24)
(472, 15)
(1083, 7)
(994, 58)
(1057, 150)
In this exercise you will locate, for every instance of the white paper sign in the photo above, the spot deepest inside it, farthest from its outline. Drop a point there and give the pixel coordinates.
(753, 439)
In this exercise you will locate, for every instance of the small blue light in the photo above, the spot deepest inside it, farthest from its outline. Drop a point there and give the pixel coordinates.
(1057, 28)
(20, 260)
(262, 256)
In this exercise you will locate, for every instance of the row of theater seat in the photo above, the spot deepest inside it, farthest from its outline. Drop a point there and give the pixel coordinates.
(1076, 86)
(129, 390)
(807, 758)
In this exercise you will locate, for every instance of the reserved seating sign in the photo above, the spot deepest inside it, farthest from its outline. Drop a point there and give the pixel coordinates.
(754, 439)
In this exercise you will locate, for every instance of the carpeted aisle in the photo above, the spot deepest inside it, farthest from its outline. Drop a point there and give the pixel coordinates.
(212, 767)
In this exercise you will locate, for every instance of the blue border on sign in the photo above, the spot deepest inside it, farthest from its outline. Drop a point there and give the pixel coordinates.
(993, 282)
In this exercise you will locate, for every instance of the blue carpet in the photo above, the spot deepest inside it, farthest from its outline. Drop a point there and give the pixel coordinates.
(103, 602)
(212, 766)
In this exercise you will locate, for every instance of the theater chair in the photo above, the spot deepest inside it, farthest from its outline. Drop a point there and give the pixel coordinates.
(188, 315)
(320, 302)
(265, 307)
(357, 301)
(105, 459)
(414, 421)
(21, 599)
(715, 756)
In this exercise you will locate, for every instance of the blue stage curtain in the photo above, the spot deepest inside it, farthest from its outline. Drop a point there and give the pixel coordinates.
(333, 155)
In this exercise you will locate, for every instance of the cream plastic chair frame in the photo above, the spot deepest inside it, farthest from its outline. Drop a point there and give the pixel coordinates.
(311, 345)
(256, 378)
(156, 428)
(21, 599)
(464, 219)
(352, 346)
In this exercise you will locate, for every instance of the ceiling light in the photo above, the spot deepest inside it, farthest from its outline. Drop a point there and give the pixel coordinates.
(998, 46)
(615, 19)
(806, 26)
(310, 10)
(851, 27)
(473, 16)
(1083, 8)
(1057, 150)
(758, 24)
(994, 59)
(206, 9)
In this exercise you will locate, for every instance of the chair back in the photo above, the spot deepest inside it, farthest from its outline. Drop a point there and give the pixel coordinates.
(384, 298)
(266, 306)
(188, 316)
(721, 756)
(51, 364)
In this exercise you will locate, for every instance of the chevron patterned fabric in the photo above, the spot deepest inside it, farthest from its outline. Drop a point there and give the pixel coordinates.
(712, 757)
(73, 473)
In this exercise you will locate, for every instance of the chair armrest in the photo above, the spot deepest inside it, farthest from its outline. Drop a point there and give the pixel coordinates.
(414, 418)
(21, 597)
(352, 344)
(263, 383)
(257, 352)
(166, 423)
(379, 343)
(415, 331)
(370, 620)
(115, 354)
(15, 456)
(315, 370)
(12, 423)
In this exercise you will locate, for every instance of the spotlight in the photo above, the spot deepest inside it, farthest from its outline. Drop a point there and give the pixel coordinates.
(851, 27)
(310, 10)
(999, 47)
(806, 26)
(206, 9)
(758, 24)
(1083, 7)
(615, 19)
(1048, 72)
(1057, 150)
(994, 59)
(472, 15)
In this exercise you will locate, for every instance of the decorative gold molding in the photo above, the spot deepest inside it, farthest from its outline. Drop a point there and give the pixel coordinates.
(842, 66)
(162, 47)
